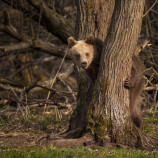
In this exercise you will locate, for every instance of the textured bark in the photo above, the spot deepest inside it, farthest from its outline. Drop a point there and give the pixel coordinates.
(92, 17)
(110, 103)
(107, 103)
(10, 48)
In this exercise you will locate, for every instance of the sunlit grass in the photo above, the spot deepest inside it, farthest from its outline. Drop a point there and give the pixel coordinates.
(75, 153)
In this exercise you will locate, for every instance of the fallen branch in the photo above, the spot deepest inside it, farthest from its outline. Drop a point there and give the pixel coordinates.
(67, 86)
(32, 63)
(151, 88)
(50, 105)
(28, 42)
(50, 48)
(52, 89)
(20, 91)
(12, 83)
(10, 88)
(15, 47)
(54, 22)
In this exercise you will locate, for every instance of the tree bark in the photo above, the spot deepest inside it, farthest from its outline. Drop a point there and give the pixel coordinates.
(92, 17)
(110, 103)
(103, 108)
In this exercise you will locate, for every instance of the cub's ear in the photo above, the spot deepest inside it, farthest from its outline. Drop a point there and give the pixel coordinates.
(90, 39)
(71, 42)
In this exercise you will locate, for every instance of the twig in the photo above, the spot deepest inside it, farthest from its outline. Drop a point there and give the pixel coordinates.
(68, 87)
(141, 46)
(19, 103)
(151, 88)
(53, 81)
(154, 72)
(10, 88)
(26, 90)
(42, 104)
(12, 83)
(33, 63)
(53, 90)
(150, 8)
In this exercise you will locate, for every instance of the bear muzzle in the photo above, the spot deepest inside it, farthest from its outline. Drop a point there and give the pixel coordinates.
(84, 64)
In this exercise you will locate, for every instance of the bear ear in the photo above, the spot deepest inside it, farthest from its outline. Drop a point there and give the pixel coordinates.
(71, 42)
(90, 39)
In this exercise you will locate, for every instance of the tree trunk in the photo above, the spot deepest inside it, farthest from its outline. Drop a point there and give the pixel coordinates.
(109, 114)
(103, 107)
(92, 17)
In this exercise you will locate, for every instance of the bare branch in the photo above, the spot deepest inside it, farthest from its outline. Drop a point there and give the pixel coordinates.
(15, 47)
(10, 88)
(68, 87)
(54, 22)
(50, 48)
(151, 88)
(30, 42)
(141, 46)
(7, 81)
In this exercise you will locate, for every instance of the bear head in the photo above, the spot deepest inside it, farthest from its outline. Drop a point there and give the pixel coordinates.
(82, 52)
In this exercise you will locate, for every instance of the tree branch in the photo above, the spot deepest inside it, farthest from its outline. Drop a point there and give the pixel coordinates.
(15, 47)
(55, 23)
(151, 88)
(28, 42)
(141, 46)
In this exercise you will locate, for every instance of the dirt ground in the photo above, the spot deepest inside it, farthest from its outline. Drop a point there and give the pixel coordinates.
(38, 129)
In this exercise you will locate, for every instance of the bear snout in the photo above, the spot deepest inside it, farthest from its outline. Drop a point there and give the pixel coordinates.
(84, 64)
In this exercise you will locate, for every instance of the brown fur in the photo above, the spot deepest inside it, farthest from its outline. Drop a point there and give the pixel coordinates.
(134, 83)
(78, 51)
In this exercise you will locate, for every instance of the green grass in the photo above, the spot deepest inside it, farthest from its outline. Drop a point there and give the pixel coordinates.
(75, 153)
(151, 117)
(37, 123)
(150, 123)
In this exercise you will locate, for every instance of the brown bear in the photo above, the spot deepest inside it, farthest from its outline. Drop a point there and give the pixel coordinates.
(135, 85)
(86, 55)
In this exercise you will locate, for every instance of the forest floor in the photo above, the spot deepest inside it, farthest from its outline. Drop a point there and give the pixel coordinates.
(40, 130)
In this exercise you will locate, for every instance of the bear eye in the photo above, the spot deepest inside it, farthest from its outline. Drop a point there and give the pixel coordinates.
(87, 54)
(78, 56)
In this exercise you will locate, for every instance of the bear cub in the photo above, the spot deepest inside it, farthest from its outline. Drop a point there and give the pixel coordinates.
(86, 55)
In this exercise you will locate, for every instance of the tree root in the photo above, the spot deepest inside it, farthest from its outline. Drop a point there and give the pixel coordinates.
(146, 141)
